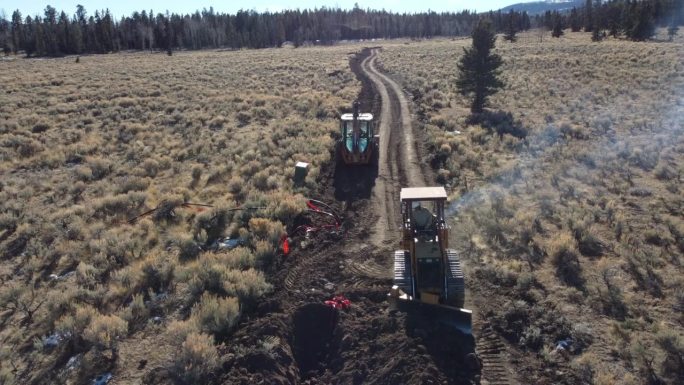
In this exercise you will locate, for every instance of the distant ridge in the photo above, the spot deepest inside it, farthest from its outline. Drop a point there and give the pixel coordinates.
(537, 7)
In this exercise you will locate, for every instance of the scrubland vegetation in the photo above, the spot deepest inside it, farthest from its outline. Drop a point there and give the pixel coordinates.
(85, 146)
(567, 198)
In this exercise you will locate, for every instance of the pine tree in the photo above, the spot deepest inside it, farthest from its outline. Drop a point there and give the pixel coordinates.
(479, 68)
(557, 26)
(39, 37)
(575, 21)
(49, 28)
(5, 34)
(588, 16)
(18, 38)
(672, 29)
(596, 35)
(511, 29)
(525, 23)
(643, 27)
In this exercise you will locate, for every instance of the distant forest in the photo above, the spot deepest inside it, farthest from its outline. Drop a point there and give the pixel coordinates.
(56, 33)
(634, 19)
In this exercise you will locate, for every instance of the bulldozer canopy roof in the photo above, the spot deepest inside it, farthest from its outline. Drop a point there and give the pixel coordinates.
(423, 193)
(364, 116)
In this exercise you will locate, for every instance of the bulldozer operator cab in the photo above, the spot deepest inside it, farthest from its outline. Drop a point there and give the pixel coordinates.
(422, 218)
(425, 236)
(356, 141)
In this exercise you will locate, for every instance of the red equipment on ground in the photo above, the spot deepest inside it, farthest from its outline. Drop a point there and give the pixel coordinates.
(338, 302)
(285, 245)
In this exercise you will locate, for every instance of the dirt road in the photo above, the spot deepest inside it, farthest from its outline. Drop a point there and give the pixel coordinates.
(293, 337)
(398, 164)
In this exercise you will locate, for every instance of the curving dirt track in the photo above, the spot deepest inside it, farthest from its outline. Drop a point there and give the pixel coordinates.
(398, 163)
(292, 338)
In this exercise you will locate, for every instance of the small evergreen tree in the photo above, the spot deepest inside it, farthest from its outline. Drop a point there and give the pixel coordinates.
(557, 26)
(575, 21)
(614, 31)
(596, 35)
(479, 68)
(525, 22)
(18, 39)
(672, 29)
(511, 29)
(588, 16)
(643, 27)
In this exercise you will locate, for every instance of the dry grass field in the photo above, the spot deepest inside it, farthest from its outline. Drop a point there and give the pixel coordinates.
(568, 199)
(86, 145)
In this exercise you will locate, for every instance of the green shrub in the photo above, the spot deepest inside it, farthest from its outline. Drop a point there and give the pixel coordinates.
(564, 257)
(582, 337)
(248, 285)
(196, 173)
(188, 248)
(672, 345)
(77, 322)
(288, 207)
(166, 209)
(264, 253)
(105, 330)
(196, 360)
(151, 167)
(133, 184)
(238, 258)
(532, 338)
(206, 275)
(157, 274)
(242, 118)
(216, 315)
(99, 168)
(213, 223)
(136, 313)
(266, 229)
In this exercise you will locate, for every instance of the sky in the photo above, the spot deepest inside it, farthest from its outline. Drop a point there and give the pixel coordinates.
(121, 8)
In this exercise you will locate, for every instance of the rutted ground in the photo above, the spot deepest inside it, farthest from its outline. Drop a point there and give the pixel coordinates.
(365, 344)
(398, 164)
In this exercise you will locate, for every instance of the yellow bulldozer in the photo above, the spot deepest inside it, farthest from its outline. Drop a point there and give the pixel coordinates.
(428, 277)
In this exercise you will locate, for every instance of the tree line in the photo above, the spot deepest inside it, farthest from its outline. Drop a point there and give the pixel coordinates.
(56, 33)
(634, 19)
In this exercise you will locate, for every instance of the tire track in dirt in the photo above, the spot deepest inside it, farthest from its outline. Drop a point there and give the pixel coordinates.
(397, 165)
(405, 167)
(365, 343)
(401, 124)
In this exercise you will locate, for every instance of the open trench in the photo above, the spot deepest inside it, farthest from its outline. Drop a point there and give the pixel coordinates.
(366, 343)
